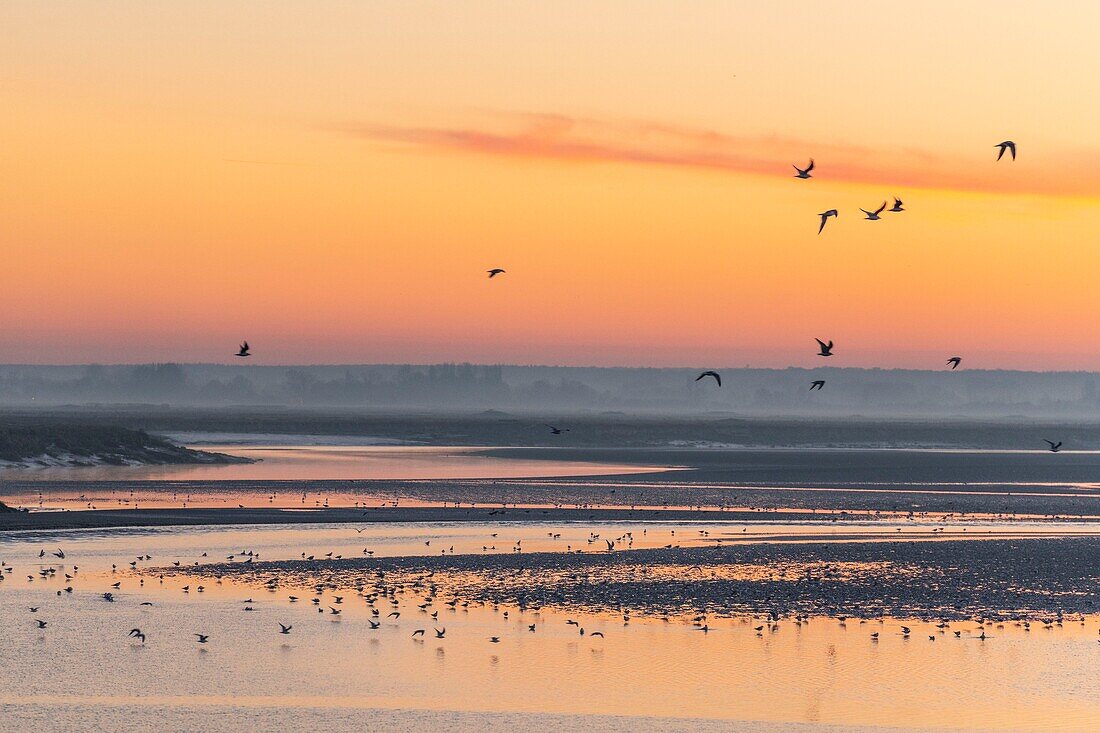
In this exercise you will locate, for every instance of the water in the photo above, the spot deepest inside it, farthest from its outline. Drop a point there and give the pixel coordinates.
(336, 671)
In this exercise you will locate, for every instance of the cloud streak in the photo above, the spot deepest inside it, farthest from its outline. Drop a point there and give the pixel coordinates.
(586, 140)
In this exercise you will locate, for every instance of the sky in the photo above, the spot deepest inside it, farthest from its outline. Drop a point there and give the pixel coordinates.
(331, 181)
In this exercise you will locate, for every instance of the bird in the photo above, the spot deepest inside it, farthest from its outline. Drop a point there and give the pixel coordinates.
(136, 634)
(285, 629)
(897, 205)
(597, 633)
(954, 362)
(418, 632)
(202, 638)
(60, 553)
(1054, 447)
(1006, 145)
(826, 348)
(825, 217)
(817, 384)
(874, 215)
(556, 431)
(804, 172)
(244, 349)
(34, 609)
(494, 639)
(439, 633)
(494, 272)
(41, 624)
(373, 624)
(716, 375)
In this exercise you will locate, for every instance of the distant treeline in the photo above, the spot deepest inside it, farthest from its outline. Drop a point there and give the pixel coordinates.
(870, 392)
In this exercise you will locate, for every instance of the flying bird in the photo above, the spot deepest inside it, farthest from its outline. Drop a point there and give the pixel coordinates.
(716, 375)
(1054, 447)
(874, 215)
(285, 629)
(202, 638)
(826, 348)
(244, 349)
(825, 217)
(817, 384)
(136, 634)
(556, 431)
(41, 624)
(897, 205)
(954, 362)
(494, 272)
(440, 633)
(804, 172)
(1006, 145)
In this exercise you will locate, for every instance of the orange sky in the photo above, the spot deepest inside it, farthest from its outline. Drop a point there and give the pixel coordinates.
(331, 181)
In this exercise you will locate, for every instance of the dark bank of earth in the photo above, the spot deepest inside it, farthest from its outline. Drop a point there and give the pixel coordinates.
(95, 445)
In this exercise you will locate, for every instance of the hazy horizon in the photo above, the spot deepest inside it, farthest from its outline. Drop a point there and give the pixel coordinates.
(848, 392)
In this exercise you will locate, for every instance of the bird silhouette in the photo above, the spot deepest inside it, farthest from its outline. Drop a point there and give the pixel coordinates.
(716, 375)
(440, 633)
(494, 272)
(202, 638)
(826, 348)
(874, 215)
(1054, 447)
(41, 624)
(556, 431)
(817, 384)
(285, 629)
(954, 362)
(244, 349)
(418, 632)
(804, 172)
(1006, 145)
(136, 634)
(825, 217)
(897, 205)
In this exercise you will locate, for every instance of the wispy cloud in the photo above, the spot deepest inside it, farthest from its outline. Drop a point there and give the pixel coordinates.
(587, 140)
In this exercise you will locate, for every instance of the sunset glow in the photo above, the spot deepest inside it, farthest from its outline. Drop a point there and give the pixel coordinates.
(331, 181)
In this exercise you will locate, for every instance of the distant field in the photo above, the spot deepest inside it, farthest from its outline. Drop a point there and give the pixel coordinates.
(591, 430)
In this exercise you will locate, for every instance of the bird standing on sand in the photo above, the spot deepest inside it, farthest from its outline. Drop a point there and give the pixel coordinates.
(826, 348)
(825, 217)
(804, 172)
(1006, 145)
(494, 272)
(874, 215)
(954, 362)
(244, 349)
(1054, 447)
(716, 375)
(817, 384)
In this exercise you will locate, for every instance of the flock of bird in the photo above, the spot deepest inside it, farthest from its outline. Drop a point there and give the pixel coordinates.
(389, 594)
(825, 348)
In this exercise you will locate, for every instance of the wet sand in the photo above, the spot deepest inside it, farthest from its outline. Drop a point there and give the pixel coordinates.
(953, 579)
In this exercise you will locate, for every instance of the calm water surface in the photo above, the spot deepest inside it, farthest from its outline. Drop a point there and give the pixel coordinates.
(335, 671)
